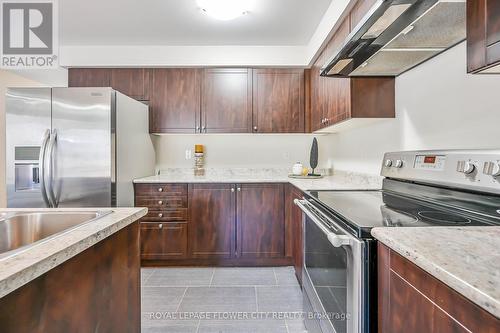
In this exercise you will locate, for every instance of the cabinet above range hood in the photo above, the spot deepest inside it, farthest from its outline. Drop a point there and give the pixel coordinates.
(397, 35)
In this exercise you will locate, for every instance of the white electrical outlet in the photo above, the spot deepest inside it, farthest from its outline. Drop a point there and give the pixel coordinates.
(189, 154)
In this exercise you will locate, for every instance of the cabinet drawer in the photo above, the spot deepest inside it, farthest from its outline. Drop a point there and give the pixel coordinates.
(161, 189)
(163, 240)
(161, 202)
(166, 215)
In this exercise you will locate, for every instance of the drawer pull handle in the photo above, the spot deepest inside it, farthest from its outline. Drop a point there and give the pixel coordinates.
(160, 189)
(160, 202)
(160, 215)
(160, 226)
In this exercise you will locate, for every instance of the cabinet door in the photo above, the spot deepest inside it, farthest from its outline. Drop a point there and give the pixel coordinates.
(278, 100)
(212, 220)
(133, 82)
(227, 100)
(175, 100)
(492, 22)
(89, 77)
(163, 240)
(261, 221)
(293, 229)
(330, 97)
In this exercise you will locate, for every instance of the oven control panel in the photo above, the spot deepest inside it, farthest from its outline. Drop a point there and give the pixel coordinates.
(430, 162)
(477, 170)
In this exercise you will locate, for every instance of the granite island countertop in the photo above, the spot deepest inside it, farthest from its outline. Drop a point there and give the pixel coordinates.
(29, 263)
(341, 180)
(467, 259)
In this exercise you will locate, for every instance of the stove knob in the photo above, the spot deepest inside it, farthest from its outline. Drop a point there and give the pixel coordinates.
(398, 164)
(388, 163)
(465, 167)
(491, 169)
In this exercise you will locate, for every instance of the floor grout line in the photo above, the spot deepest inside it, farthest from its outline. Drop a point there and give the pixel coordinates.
(212, 278)
(148, 277)
(198, 326)
(286, 326)
(182, 298)
(275, 277)
(256, 300)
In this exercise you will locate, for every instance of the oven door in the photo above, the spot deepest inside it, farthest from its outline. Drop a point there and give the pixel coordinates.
(334, 275)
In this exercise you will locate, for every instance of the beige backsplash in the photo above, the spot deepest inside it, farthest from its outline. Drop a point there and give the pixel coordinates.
(242, 150)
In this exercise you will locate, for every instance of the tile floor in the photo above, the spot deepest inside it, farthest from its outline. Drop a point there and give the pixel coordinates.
(265, 300)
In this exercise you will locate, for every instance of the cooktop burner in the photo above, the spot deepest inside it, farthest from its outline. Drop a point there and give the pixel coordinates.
(444, 218)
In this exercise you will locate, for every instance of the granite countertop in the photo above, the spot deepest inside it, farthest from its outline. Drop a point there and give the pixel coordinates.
(24, 266)
(341, 180)
(466, 259)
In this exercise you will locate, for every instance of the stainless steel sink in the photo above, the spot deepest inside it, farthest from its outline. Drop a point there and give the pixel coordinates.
(19, 230)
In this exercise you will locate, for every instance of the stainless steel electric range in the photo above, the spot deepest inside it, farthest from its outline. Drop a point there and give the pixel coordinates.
(420, 189)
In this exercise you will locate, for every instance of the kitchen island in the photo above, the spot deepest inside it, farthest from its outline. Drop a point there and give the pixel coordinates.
(84, 279)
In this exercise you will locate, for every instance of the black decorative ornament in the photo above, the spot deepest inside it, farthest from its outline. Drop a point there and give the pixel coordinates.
(313, 161)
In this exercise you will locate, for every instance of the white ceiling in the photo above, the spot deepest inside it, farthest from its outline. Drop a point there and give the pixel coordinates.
(182, 23)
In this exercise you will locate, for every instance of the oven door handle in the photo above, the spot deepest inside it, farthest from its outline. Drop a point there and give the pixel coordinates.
(337, 240)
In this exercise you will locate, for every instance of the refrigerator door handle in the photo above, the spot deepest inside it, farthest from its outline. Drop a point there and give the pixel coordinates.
(50, 168)
(41, 165)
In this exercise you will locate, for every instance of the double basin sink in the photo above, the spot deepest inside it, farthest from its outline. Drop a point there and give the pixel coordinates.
(20, 230)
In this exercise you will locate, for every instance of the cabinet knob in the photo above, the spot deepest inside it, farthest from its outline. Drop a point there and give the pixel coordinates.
(232, 189)
(255, 128)
(204, 129)
(160, 202)
(197, 129)
(160, 215)
(160, 225)
(160, 189)
(239, 189)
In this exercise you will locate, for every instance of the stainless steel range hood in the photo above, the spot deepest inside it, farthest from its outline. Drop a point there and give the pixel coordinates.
(397, 35)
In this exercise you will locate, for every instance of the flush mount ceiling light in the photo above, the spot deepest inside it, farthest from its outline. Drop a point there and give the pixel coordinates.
(225, 9)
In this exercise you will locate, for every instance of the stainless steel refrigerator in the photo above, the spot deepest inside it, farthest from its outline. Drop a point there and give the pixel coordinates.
(75, 147)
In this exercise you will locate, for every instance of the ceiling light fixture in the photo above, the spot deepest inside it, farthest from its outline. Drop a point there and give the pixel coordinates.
(225, 9)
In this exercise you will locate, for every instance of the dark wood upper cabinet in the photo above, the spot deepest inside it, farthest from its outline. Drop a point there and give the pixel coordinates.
(133, 82)
(260, 221)
(175, 100)
(359, 10)
(227, 100)
(329, 96)
(89, 77)
(483, 36)
(404, 288)
(334, 100)
(212, 220)
(278, 100)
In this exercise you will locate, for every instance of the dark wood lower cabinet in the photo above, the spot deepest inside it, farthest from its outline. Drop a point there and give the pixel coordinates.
(98, 290)
(293, 218)
(412, 301)
(225, 225)
(261, 221)
(212, 227)
(161, 240)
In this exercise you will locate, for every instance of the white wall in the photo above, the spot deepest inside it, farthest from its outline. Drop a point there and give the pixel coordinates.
(438, 106)
(241, 150)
